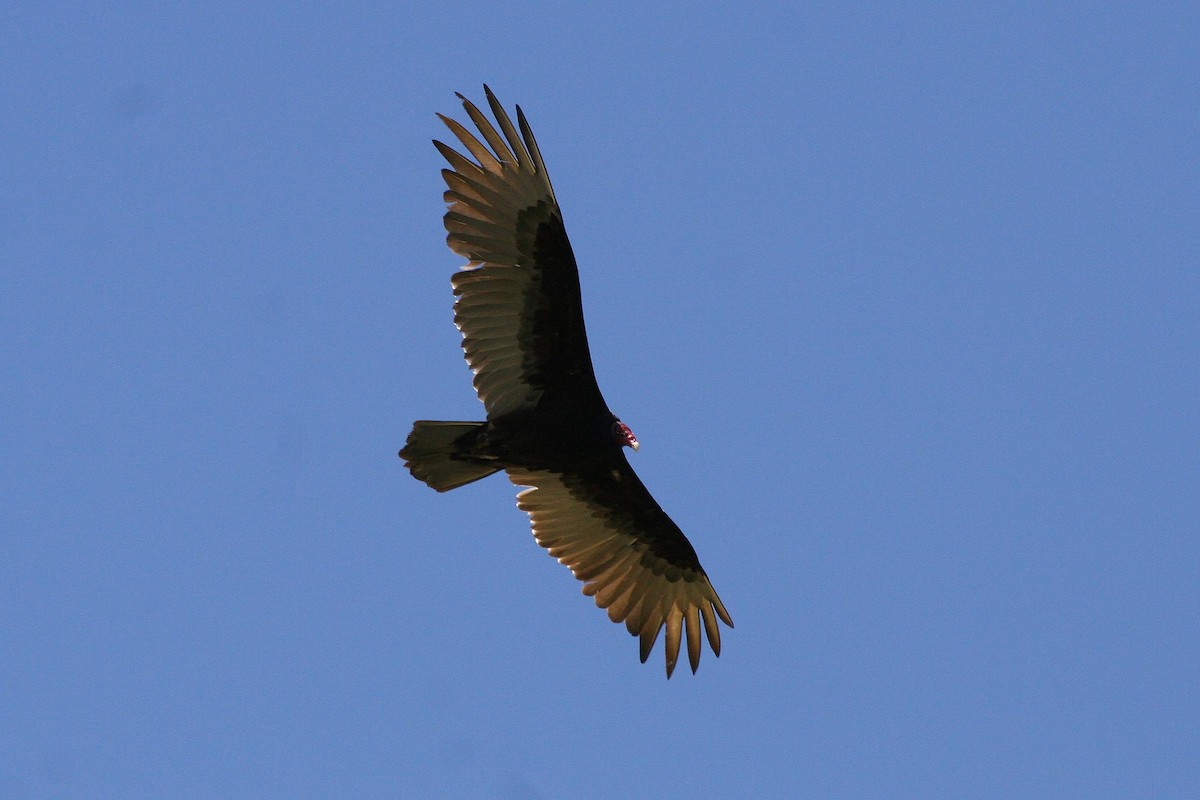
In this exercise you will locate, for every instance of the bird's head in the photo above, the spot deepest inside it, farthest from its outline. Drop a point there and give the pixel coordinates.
(623, 436)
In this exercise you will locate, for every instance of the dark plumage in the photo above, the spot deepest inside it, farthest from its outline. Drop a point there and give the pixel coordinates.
(548, 426)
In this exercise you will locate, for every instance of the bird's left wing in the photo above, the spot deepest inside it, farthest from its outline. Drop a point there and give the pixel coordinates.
(602, 522)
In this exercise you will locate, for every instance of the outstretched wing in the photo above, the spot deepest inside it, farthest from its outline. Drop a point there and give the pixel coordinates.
(602, 523)
(518, 303)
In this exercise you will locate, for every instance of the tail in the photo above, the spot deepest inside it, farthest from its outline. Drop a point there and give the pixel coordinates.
(446, 455)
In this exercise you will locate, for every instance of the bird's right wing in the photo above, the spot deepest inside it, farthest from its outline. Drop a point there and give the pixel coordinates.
(518, 303)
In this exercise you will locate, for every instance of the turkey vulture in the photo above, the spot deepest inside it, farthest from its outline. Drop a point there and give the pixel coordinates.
(547, 425)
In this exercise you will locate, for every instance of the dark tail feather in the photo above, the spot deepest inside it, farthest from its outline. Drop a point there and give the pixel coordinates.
(445, 455)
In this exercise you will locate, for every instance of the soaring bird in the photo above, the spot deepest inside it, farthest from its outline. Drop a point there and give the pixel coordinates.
(519, 310)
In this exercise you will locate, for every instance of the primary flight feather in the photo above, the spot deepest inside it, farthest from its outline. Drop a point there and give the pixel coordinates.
(519, 309)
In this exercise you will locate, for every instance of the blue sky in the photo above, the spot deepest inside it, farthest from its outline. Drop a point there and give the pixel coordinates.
(903, 304)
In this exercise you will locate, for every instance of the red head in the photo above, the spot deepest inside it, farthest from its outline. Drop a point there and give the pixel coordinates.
(623, 435)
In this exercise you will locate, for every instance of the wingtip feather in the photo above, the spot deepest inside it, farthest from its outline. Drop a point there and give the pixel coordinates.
(674, 625)
(692, 622)
(646, 642)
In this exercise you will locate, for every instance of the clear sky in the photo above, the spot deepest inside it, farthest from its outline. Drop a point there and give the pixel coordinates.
(903, 303)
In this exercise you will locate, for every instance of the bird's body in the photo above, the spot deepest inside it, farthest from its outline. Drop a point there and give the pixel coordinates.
(521, 316)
